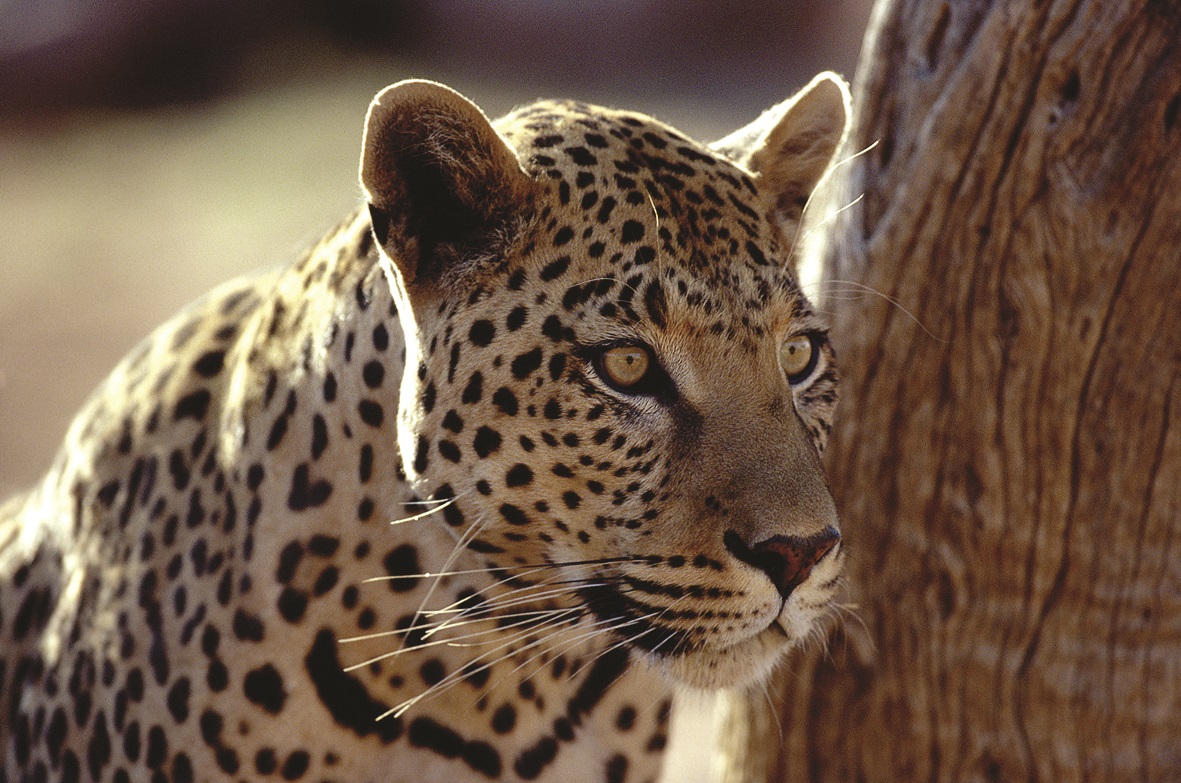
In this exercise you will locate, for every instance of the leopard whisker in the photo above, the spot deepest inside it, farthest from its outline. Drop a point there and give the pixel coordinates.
(562, 647)
(424, 514)
(827, 287)
(460, 547)
(531, 569)
(526, 618)
(457, 676)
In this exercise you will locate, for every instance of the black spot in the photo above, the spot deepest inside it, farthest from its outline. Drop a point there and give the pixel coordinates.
(555, 269)
(506, 401)
(533, 760)
(633, 231)
(247, 627)
(209, 364)
(178, 699)
(562, 237)
(516, 318)
(182, 769)
(453, 363)
(264, 686)
(289, 559)
(319, 436)
(616, 769)
(371, 413)
(192, 406)
(428, 397)
(402, 562)
(292, 604)
(563, 730)
(756, 254)
(381, 337)
(482, 758)
(626, 718)
(603, 674)
(157, 747)
(265, 762)
(98, 751)
(452, 421)
(426, 733)
(519, 475)
(296, 765)
(422, 454)
(326, 580)
(278, 430)
(365, 466)
(582, 156)
(504, 719)
(373, 373)
(655, 303)
(304, 493)
(552, 328)
(513, 515)
(525, 364)
(474, 389)
(329, 388)
(605, 207)
(450, 451)
(481, 333)
(487, 441)
(345, 698)
(432, 671)
(557, 364)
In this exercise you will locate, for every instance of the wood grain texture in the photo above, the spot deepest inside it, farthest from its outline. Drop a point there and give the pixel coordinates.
(1007, 459)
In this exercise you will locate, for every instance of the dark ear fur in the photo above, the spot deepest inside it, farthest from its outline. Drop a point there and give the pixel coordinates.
(792, 144)
(442, 184)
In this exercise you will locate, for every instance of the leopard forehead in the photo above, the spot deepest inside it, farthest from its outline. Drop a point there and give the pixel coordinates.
(644, 225)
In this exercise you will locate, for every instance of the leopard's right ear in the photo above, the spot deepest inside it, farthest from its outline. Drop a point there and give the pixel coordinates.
(441, 183)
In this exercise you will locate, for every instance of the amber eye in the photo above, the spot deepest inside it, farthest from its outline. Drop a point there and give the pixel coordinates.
(798, 357)
(625, 366)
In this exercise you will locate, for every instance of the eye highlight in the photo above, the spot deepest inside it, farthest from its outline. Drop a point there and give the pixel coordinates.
(798, 357)
(625, 366)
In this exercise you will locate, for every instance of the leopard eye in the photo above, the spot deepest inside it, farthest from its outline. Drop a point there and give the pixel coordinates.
(798, 356)
(625, 366)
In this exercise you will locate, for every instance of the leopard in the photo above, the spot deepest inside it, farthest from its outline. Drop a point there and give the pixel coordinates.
(525, 446)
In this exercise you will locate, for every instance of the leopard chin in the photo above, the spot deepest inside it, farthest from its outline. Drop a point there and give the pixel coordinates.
(742, 665)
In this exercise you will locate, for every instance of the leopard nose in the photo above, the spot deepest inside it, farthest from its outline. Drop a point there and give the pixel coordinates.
(786, 560)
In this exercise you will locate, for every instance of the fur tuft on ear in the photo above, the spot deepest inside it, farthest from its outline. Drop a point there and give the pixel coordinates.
(790, 146)
(442, 184)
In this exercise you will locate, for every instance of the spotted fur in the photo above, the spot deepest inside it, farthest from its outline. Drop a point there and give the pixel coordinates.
(384, 516)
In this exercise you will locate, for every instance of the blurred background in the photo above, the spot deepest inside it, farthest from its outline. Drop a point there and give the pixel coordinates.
(152, 148)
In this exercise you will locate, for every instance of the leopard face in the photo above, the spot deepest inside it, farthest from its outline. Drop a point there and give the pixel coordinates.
(624, 393)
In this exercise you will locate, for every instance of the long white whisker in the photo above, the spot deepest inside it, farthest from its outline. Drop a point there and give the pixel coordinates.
(459, 547)
(819, 185)
(423, 514)
(855, 287)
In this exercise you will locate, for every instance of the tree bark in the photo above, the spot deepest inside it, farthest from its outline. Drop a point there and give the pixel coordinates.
(1007, 459)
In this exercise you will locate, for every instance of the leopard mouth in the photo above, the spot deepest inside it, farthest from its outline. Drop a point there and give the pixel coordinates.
(683, 654)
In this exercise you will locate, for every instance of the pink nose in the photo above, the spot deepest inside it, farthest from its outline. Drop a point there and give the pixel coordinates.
(786, 560)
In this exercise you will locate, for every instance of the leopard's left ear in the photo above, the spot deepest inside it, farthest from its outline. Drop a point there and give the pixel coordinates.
(792, 144)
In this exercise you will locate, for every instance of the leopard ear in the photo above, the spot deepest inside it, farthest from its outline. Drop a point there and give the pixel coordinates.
(792, 144)
(442, 184)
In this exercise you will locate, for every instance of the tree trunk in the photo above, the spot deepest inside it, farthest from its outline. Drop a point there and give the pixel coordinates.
(1007, 459)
